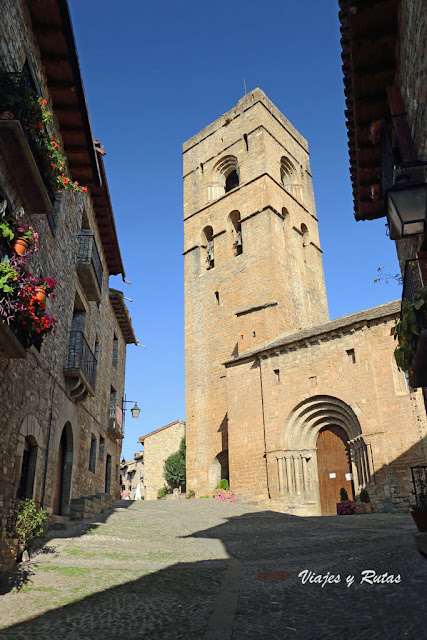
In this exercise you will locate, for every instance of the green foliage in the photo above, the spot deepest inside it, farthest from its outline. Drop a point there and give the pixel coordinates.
(25, 521)
(343, 494)
(204, 496)
(8, 275)
(191, 494)
(174, 470)
(162, 492)
(364, 496)
(223, 485)
(407, 329)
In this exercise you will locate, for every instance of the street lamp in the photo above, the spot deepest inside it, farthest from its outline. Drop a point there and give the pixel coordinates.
(135, 411)
(406, 205)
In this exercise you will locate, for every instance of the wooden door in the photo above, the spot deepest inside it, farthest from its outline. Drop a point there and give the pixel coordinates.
(59, 478)
(333, 464)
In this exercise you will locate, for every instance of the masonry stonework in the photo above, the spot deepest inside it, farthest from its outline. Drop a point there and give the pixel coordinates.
(37, 406)
(266, 371)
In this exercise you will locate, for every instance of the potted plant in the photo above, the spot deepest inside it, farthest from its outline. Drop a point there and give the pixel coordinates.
(44, 288)
(346, 507)
(25, 522)
(24, 238)
(419, 509)
(365, 502)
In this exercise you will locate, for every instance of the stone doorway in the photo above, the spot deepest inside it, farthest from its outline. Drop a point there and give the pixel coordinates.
(334, 467)
(64, 466)
(108, 474)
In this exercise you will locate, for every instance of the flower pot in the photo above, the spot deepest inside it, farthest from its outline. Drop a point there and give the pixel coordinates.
(40, 294)
(20, 246)
(420, 518)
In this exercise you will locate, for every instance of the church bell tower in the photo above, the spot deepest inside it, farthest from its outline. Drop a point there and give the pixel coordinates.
(253, 263)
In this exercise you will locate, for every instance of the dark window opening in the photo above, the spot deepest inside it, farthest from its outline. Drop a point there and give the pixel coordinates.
(351, 355)
(115, 352)
(92, 454)
(277, 375)
(217, 296)
(28, 470)
(209, 240)
(101, 447)
(231, 181)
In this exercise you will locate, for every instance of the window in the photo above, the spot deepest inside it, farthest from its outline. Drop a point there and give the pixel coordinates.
(208, 241)
(289, 178)
(231, 181)
(305, 237)
(225, 177)
(101, 447)
(115, 351)
(236, 232)
(92, 454)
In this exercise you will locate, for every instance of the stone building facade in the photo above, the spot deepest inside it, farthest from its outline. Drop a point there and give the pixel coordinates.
(286, 404)
(61, 420)
(158, 446)
(132, 476)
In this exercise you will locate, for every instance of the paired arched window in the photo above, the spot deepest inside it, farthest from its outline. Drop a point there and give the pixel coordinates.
(208, 241)
(236, 232)
(225, 177)
(290, 179)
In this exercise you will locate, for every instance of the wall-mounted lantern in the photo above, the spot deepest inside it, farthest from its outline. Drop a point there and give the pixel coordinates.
(406, 205)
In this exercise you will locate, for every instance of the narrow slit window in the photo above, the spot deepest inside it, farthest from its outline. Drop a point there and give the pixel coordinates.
(351, 355)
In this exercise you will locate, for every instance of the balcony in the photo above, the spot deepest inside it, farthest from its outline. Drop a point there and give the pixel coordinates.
(10, 346)
(23, 158)
(89, 267)
(115, 423)
(416, 278)
(80, 372)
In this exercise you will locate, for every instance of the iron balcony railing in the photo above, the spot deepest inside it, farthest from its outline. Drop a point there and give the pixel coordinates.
(88, 254)
(115, 415)
(17, 96)
(80, 357)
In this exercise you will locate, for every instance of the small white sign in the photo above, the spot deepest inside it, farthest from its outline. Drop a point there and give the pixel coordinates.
(332, 475)
(349, 476)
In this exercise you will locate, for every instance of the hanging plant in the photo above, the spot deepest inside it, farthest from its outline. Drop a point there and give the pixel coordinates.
(412, 318)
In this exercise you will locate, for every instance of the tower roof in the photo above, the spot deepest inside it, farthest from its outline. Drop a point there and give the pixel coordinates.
(257, 96)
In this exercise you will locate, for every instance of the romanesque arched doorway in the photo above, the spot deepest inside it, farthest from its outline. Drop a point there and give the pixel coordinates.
(322, 444)
(333, 467)
(63, 472)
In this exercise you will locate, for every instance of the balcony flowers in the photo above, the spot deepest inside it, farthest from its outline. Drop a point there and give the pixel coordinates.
(24, 238)
(18, 100)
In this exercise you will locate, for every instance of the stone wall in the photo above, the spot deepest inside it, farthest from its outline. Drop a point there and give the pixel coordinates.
(35, 403)
(158, 446)
(342, 372)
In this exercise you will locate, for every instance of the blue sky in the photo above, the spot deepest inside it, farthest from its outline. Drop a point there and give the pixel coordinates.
(155, 74)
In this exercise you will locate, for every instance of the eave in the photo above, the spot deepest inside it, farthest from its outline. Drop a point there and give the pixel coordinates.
(52, 28)
(122, 315)
(368, 40)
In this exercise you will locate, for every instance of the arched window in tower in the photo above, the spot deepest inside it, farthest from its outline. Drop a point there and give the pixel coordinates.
(236, 232)
(289, 178)
(286, 221)
(305, 237)
(225, 177)
(208, 241)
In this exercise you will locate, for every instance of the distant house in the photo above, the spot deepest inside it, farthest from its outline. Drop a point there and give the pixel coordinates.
(158, 446)
(132, 475)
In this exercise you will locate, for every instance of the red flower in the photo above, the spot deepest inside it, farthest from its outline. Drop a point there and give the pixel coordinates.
(40, 126)
(77, 184)
(84, 190)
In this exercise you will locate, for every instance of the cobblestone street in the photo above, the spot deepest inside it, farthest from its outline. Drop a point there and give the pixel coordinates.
(204, 569)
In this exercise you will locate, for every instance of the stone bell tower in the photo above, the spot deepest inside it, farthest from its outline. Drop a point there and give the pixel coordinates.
(253, 263)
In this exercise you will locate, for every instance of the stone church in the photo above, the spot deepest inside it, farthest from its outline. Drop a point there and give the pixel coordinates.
(287, 404)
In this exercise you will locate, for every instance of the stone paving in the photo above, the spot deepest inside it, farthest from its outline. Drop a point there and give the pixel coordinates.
(202, 569)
